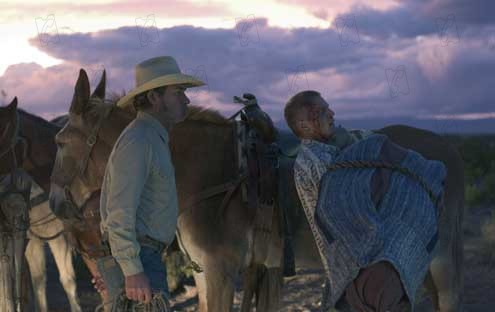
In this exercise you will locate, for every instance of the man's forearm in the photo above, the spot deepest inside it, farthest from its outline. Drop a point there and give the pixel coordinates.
(125, 249)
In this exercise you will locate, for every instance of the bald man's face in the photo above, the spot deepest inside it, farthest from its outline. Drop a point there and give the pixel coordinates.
(318, 124)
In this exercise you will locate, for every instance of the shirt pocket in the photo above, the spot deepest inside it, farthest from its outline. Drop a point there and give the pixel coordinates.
(163, 172)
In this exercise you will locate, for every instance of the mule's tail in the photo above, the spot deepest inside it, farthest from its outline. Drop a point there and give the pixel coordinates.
(266, 285)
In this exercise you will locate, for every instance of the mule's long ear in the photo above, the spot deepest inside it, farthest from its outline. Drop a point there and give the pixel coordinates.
(81, 94)
(101, 88)
(13, 104)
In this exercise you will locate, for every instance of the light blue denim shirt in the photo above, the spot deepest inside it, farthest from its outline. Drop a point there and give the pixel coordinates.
(138, 195)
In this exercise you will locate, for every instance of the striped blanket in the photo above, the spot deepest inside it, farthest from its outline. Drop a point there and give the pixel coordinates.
(357, 232)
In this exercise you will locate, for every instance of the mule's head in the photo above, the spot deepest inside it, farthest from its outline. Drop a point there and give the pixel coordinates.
(83, 146)
(8, 124)
(8, 131)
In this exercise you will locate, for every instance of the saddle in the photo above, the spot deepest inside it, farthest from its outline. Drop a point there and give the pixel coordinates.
(257, 160)
(267, 157)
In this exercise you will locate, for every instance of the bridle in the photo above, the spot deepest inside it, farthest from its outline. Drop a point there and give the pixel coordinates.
(68, 203)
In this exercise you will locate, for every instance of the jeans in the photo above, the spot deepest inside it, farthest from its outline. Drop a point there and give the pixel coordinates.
(114, 279)
(154, 269)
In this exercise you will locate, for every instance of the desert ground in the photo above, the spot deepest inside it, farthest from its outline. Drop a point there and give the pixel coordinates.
(302, 292)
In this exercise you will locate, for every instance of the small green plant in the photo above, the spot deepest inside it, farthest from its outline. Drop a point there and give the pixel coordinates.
(178, 270)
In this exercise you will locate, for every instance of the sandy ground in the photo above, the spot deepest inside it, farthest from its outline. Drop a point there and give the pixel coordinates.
(302, 292)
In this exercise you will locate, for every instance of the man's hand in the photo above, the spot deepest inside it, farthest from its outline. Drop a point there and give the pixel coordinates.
(137, 287)
(98, 283)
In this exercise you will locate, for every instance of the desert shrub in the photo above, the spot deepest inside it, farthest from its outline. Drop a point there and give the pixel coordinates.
(178, 270)
(479, 164)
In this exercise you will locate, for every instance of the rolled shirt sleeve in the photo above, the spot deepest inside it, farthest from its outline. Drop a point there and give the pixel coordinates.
(125, 177)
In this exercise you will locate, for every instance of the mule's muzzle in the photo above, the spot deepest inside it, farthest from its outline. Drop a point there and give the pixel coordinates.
(62, 205)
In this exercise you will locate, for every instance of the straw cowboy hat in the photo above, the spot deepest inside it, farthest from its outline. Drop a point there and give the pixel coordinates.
(158, 72)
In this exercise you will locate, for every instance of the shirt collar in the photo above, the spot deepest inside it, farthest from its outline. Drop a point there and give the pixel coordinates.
(153, 122)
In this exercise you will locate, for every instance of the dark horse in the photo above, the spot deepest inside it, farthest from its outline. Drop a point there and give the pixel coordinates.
(220, 241)
(44, 226)
(15, 189)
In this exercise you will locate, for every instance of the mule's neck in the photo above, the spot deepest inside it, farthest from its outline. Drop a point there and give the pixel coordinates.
(40, 137)
(203, 156)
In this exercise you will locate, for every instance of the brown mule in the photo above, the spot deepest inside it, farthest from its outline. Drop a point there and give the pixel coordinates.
(203, 153)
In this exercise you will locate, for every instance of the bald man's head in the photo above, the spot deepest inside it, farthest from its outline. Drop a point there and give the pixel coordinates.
(309, 116)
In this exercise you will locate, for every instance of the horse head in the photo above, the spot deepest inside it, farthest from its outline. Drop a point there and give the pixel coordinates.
(9, 129)
(83, 147)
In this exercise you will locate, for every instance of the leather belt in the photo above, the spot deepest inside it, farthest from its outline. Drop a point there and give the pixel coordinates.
(145, 240)
(152, 243)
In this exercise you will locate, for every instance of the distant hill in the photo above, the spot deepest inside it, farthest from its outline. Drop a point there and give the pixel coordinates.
(450, 126)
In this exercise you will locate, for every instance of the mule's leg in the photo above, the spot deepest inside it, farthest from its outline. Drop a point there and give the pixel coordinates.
(446, 281)
(200, 281)
(215, 288)
(91, 265)
(63, 258)
(35, 256)
(269, 290)
(447, 265)
(27, 295)
(432, 290)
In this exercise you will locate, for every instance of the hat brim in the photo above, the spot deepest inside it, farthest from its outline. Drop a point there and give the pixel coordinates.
(162, 81)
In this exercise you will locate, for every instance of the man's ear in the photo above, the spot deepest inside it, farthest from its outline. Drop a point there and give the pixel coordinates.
(152, 97)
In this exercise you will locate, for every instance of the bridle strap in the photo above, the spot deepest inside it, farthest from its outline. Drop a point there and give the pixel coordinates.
(93, 138)
(90, 142)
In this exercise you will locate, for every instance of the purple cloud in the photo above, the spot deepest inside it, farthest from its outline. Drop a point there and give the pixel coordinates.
(413, 18)
(369, 79)
(172, 9)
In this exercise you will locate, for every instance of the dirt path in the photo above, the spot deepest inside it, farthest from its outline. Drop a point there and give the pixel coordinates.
(302, 293)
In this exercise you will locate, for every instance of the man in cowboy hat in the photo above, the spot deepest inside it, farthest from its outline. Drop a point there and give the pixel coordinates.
(138, 197)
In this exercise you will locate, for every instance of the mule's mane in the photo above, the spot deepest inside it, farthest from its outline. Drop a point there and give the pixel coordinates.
(197, 113)
(194, 113)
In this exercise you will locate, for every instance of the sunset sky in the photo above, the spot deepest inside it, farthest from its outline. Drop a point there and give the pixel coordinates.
(429, 64)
